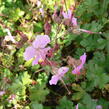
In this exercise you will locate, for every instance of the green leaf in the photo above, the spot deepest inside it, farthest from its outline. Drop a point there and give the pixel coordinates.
(25, 78)
(76, 87)
(97, 58)
(93, 42)
(42, 78)
(36, 105)
(38, 27)
(28, 63)
(103, 103)
(7, 60)
(38, 93)
(79, 92)
(69, 38)
(87, 102)
(35, 68)
(2, 33)
(64, 103)
(18, 88)
(77, 96)
(14, 13)
(96, 75)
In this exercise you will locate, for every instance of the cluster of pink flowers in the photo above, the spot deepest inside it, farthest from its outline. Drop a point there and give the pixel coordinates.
(38, 52)
(69, 16)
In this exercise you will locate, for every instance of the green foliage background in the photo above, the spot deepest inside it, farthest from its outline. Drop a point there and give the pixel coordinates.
(89, 91)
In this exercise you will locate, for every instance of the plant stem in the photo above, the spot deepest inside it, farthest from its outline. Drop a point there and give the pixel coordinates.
(65, 86)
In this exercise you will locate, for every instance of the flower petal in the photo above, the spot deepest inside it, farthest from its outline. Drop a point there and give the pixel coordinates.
(67, 15)
(62, 71)
(78, 68)
(83, 58)
(29, 53)
(38, 56)
(77, 106)
(74, 21)
(41, 41)
(45, 51)
(54, 80)
(35, 61)
(98, 107)
(59, 75)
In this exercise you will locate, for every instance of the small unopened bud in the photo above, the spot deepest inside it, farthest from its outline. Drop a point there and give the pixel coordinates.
(34, 82)
(47, 28)
(57, 17)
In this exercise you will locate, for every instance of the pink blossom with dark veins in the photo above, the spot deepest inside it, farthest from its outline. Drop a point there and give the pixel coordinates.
(38, 50)
(47, 28)
(70, 19)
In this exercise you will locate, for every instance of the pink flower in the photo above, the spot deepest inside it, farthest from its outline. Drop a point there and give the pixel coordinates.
(77, 106)
(78, 68)
(70, 19)
(2, 93)
(59, 74)
(98, 107)
(37, 51)
(68, 15)
(74, 21)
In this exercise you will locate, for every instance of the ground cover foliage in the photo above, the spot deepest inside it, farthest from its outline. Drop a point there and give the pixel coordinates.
(54, 54)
